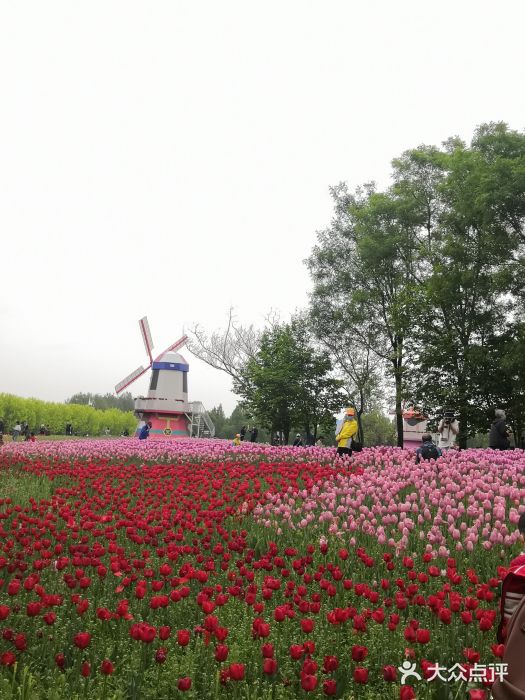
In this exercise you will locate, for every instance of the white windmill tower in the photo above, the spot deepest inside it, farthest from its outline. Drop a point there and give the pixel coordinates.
(166, 406)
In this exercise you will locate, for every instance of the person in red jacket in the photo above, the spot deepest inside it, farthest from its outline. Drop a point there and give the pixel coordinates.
(512, 587)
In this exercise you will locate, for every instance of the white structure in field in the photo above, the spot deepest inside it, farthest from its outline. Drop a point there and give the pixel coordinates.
(166, 406)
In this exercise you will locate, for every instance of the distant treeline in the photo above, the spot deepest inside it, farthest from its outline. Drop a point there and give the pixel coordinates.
(378, 428)
(228, 427)
(85, 420)
(102, 402)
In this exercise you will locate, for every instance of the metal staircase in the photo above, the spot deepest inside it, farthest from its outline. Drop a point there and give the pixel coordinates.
(201, 425)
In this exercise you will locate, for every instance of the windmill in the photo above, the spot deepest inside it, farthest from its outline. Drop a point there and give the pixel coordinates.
(167, 405)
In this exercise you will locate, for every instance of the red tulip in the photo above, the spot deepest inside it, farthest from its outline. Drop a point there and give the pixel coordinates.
(309, 667)
(308, 682)
(13, 587)
(236, 672)
(330, 664)
(445, 615)
(106, 667)
(360, 674)
(184, 684)
(471, 655)
(296, 651)
(329, 687)
(7, 658)
(183, 637)
(221, 652)
(498, 650)
(50, 618)
(389, 673)
(269, 666)
(410, 634)
(164, 633)
(85, 669)
(423, 636)
(406, 692)
(307, 625)
(309, 647)
(20, 641)
(161, 655)
(82, 639)
(485, 623)
(359, 653)
(267, 651)
(33, 609)
(477, 694)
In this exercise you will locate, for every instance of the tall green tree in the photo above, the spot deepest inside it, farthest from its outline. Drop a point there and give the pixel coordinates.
(289, 382)
(219, 421)
(430, 272)
(366, 271)
(475, 276)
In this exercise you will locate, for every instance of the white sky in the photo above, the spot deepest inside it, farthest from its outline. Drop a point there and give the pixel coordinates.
(174, 158)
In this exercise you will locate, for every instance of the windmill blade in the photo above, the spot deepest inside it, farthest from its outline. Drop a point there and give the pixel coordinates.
(130, 379)
(146, 337)
(176, 345)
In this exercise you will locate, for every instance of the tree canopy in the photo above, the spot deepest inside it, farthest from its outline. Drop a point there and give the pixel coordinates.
(288, 382)
(428, 276)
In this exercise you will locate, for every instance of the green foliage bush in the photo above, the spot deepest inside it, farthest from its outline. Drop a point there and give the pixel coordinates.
(86, 420)
(378, 429)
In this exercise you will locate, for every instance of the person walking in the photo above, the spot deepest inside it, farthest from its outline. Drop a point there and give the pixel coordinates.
(253, 434)
(242, 432)
(346, 433)
(499, 432)
(16, 431)
(144, 431)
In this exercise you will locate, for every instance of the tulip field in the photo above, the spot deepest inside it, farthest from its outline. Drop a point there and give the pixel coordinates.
(193, 569)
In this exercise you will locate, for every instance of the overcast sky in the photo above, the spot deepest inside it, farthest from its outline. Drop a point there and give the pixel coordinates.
(171, 159)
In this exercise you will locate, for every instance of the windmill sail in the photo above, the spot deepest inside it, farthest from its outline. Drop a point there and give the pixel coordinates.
(146, 336)
(175, 346)
(130, 379)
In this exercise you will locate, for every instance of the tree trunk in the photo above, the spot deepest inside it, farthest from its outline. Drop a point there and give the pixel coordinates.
(399, 413)
(397, 361)
(361, 434)
(462, 436)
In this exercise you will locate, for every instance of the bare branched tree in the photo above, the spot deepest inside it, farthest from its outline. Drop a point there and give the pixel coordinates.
(356, 354)
(228, 350)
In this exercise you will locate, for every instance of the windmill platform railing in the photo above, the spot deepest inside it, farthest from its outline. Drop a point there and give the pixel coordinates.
(201, 425)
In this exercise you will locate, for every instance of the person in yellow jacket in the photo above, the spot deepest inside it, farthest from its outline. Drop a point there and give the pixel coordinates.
(236, 440)
(347, 432)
